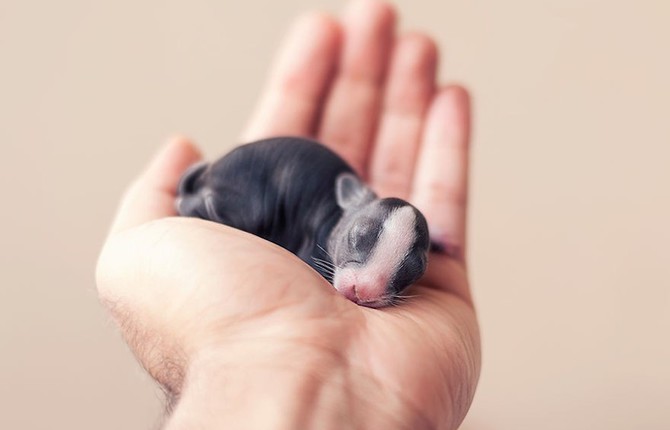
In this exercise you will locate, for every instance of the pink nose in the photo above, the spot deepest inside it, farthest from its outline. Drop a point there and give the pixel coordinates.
(361, 288)
(349, 292)
(359, 294)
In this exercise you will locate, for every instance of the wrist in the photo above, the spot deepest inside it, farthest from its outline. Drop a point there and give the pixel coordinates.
(283, 387)
(257, 387)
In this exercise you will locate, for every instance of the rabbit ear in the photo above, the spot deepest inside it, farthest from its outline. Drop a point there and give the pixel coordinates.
(351, 192)
(187, 182)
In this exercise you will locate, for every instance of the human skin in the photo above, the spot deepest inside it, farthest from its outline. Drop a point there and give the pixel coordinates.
(243, 334)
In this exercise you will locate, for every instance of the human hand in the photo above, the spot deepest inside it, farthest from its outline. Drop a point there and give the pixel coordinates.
(221, 318)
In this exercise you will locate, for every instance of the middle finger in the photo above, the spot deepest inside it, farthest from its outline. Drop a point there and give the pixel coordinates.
(410, 88)
(350, 117)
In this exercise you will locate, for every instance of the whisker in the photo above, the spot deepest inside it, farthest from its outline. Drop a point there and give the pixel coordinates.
(324, 251)
(323, 262)
(321, 259)
(406, 297)
(326, 271)
(330, 264)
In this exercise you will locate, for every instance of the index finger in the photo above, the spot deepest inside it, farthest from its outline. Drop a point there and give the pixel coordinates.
(299, 80)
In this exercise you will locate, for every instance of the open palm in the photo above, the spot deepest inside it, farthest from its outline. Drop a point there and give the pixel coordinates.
(181, 286)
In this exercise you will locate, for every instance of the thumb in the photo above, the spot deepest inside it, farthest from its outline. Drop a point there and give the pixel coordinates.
(152, 194)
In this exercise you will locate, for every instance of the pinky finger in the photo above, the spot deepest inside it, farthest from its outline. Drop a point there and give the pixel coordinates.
(440, 187)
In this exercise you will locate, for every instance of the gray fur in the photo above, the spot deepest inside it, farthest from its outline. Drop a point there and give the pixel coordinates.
(303, 197)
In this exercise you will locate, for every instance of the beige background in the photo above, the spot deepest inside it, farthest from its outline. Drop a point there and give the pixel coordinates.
(570, 209)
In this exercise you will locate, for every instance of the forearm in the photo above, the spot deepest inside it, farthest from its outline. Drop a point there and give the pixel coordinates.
(285, 389)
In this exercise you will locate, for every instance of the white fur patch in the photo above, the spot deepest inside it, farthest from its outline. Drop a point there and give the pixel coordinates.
(396, 237)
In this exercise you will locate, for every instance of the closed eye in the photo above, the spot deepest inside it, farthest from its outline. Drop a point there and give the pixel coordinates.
(360, 263)
(365, 241)
(359, 231)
